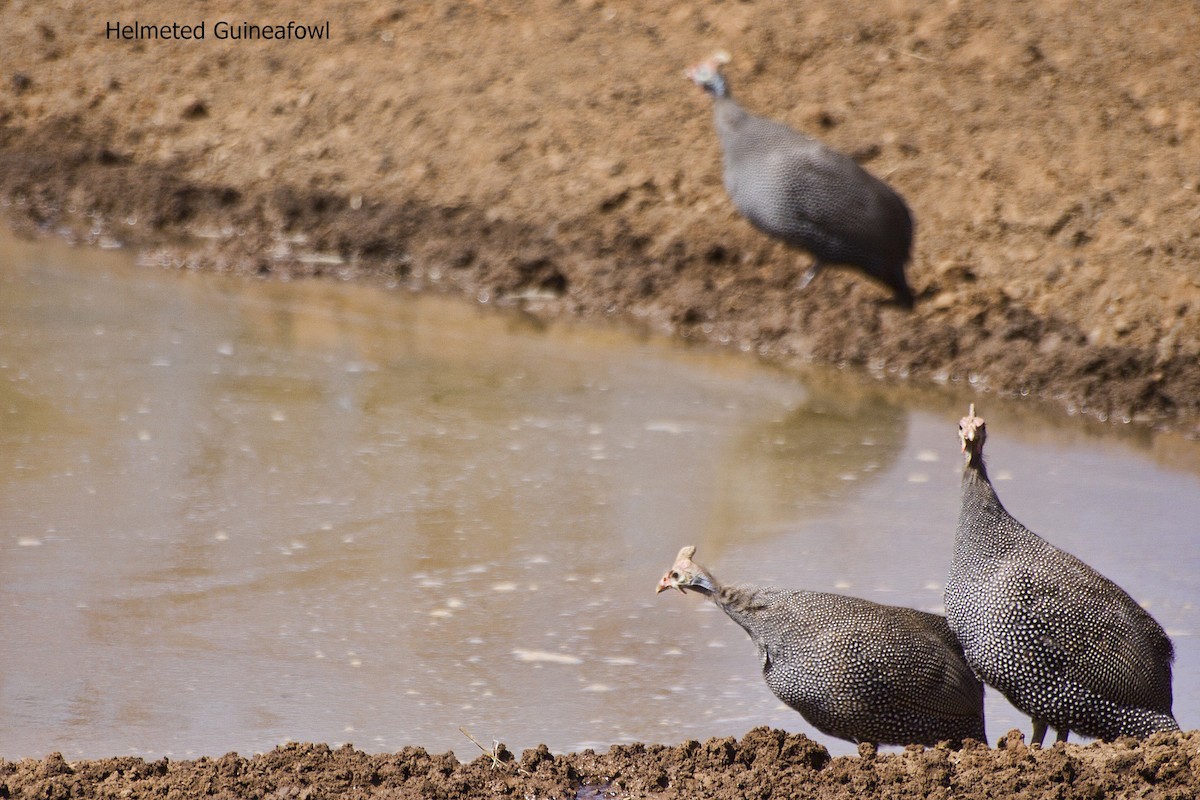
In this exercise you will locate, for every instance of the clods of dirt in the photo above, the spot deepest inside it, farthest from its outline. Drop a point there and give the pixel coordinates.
(764, 764)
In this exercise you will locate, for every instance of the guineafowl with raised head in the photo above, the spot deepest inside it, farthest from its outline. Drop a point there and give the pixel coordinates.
(854, 669)
(794, 188)
(1063, 643)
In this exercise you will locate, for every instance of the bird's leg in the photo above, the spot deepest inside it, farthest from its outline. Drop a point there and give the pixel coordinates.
(1039, 732)
(1063, 734)
(811, 273)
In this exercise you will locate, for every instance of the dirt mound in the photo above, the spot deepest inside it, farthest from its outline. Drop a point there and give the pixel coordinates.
(764, 764)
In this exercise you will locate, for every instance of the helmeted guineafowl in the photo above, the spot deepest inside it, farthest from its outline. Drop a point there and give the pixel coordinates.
(1063, 643)
(854, 669)
(797, 189)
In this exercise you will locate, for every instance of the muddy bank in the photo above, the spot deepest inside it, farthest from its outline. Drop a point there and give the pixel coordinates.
(764, 764)
(553, 156)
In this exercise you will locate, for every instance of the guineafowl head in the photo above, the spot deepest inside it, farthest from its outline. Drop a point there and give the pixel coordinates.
(972, 431)
(687, 574)
(707, 74)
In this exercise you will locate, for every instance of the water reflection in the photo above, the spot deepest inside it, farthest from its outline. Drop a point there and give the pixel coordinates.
(235, 513)
(807, 463)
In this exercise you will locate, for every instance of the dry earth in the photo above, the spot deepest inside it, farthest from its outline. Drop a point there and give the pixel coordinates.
(550, 154)
(764, 764)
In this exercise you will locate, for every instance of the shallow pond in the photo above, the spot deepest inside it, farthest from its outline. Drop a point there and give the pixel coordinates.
(237, 513)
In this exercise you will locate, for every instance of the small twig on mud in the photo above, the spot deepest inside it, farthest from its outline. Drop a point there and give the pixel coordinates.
(911, 54)
(496, 762)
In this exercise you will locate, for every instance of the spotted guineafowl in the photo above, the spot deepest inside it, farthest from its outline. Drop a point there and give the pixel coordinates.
(1063, 643)
(854, 669)
(796, 189)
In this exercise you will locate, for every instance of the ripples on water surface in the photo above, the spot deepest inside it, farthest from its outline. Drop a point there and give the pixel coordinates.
(238, 513)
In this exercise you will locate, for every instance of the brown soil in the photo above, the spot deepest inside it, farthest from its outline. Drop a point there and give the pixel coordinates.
(764, 764)
(550, 154)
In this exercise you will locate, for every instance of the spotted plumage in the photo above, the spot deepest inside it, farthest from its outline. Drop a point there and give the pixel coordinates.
(1063, 643)
(854, 669)
(797, 189)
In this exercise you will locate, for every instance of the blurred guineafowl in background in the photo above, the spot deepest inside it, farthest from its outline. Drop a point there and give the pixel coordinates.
(794, 188)
(854, 669)
(1063, 643)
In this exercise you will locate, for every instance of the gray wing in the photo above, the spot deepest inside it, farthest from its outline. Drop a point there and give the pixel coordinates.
(1096, 635)
(815, 197)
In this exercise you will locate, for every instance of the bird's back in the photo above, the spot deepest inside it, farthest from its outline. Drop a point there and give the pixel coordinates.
(864, 671)
(793, 187)
(1064, 643)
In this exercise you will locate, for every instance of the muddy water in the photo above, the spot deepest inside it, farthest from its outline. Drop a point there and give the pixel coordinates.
(234, 514)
